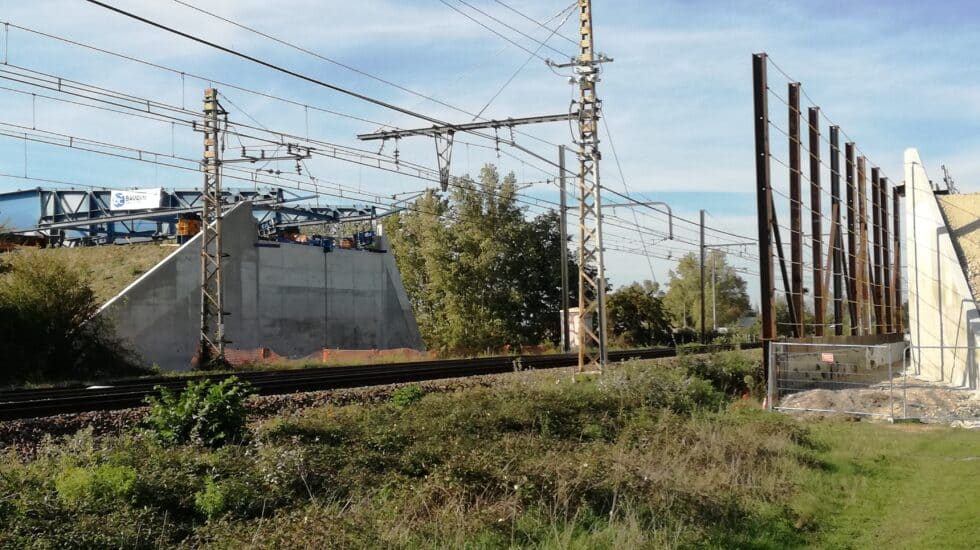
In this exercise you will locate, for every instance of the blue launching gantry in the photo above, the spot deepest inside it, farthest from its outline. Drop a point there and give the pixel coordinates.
(82, 217)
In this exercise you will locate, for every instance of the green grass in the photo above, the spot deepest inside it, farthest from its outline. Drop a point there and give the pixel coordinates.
(903, 486)
(646, 456)
(110, 268)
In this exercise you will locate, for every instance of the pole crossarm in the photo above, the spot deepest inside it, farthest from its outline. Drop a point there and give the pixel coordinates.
(670, 212)
(465, 127)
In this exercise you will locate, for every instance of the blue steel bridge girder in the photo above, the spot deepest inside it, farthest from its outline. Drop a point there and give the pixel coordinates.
(86, 212)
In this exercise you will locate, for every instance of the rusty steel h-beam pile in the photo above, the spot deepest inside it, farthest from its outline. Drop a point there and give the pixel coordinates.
(856, 272)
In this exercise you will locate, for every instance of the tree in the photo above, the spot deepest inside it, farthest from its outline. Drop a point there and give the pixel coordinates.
(50, 330)
(478, 273)
(637, 315)
(683, 298)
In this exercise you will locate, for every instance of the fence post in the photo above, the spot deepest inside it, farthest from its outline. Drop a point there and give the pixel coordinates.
(906, 353)
(771, 389)
(891, 386)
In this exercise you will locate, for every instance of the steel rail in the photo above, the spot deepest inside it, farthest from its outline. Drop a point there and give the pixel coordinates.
(33, 403)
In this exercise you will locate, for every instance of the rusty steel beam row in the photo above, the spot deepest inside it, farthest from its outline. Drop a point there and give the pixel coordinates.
(861, 280)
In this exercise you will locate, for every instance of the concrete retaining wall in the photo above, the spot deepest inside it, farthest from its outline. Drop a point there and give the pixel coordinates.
(943, 316)
(291, 298)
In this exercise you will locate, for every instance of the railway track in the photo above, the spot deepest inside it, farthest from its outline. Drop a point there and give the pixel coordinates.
(20, 404)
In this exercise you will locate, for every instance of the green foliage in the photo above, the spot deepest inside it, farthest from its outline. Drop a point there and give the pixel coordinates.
(101, 485)
(730, 372)
(683, 299)
(406, 396)
(644, 456)
(478, 273)
(49, 330)
(637, 315)
(205, 413)
(218, 498)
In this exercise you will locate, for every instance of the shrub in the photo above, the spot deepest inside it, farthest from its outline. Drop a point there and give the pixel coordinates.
(101, 485)
(406, 396)
(222, 497)
(49, 330)
(205, 413)
(730, 372)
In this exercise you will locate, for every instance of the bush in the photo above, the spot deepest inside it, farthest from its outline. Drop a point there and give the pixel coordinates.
(406, 396)
(730, 372)
(49, 330)
(205, 413)
(222, 497)
(102, 485)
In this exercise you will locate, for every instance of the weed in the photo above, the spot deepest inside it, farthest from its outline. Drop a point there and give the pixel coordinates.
(205, 413)
(102, 485)
(730, 372)
(406, 396)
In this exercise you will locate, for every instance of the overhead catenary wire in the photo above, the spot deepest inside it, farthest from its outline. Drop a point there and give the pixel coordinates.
(518, 31)
(269, 65)
(141, 101)
(138, 103)
(312, 80)
(494, 31)
(535, 21)
(622, 178)
(523, 65)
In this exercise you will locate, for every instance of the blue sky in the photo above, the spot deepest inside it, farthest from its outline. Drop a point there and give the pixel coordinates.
(677, 98)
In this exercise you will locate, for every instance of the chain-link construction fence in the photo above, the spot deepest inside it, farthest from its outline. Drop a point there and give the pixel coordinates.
(879, 381)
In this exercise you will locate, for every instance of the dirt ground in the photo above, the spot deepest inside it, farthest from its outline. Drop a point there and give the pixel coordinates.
(927, 401)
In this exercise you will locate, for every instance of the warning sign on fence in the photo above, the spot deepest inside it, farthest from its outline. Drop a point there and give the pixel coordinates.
(827, 357)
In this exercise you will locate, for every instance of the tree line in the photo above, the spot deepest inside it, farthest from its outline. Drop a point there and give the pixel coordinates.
(481, 275)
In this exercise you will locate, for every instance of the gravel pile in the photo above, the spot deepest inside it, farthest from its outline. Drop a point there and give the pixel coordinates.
(927, 401)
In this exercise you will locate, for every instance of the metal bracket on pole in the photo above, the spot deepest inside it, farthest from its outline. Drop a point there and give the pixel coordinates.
(444, 153)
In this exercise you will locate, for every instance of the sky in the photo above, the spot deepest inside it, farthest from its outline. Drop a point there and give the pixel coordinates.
(677, 99)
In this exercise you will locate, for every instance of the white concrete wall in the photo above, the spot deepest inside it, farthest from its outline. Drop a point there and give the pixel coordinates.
(292, 298)
(943, 317)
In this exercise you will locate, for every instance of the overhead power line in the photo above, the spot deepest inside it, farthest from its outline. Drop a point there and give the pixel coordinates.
(535, 21)
(491, 29)
(310, 79)
(568, 12)
(273, 66)
(320, 56)
(543, 43)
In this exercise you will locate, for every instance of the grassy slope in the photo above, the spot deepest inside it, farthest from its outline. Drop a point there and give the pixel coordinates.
(112, 268)
(894, 487)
